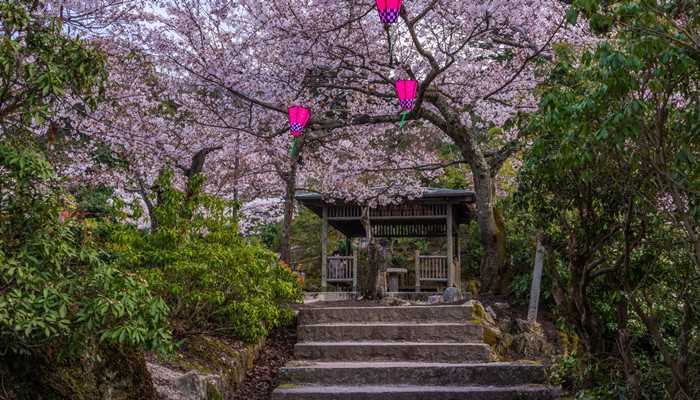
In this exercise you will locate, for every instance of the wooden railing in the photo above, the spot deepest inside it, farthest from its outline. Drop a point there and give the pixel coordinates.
(433, 268)
(430, 269)
(340, 269)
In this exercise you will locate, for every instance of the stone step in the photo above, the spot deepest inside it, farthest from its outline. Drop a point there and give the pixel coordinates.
(328, 315)
(402, 331)
(392, 351)
(407, 373)
(411, 392)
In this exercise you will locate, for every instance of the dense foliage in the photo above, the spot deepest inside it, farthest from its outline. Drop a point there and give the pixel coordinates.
(55, 289)
(83, 291)
(212, 278)
(613, 180)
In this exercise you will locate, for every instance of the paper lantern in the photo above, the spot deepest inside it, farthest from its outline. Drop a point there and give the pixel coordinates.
(298, 118)
(389, 10)
(406, 90)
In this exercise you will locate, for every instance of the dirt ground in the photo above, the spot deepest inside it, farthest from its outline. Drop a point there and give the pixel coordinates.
(261, 380)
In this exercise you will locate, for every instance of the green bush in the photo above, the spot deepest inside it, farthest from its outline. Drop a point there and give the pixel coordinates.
(55, 288)
(212, 278)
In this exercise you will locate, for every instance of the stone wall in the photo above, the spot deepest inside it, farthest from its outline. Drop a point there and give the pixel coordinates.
(206, 368)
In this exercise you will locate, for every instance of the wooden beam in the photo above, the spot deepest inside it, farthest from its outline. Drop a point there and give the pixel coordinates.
(324, 248)
(450, 248)
(391, 218)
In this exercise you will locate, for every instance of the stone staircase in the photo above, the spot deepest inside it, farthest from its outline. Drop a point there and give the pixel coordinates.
(401, 352)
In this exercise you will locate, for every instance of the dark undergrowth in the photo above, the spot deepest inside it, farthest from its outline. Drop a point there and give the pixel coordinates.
(261, 380)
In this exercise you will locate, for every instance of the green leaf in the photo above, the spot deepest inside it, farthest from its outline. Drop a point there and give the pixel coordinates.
(571, 16)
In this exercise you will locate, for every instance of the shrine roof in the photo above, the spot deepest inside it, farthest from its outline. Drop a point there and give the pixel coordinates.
(422, 216)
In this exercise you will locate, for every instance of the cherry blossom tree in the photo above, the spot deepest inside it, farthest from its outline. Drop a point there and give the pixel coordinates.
(477, 63)
(243, 88)
(232, 68)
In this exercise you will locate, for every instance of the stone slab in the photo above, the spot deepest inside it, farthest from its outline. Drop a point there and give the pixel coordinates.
(411, 392)
(392, 351)
(406, 373)
(402, 331)
(436, 313)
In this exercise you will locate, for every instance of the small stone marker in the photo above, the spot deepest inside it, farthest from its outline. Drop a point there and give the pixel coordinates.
(452, 295)
(435, 299)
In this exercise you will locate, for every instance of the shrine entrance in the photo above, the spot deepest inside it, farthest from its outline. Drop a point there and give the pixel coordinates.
(437, 213)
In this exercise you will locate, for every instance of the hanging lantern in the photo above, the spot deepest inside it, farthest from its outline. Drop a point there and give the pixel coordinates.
(389, 10)
(406, 90)
(298, 118)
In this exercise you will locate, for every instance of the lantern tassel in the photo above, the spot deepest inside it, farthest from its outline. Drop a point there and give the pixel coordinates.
(403, 117)
(295, 147)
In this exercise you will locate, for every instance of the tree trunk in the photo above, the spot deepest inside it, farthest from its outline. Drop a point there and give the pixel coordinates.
(371, 290)
(587, 324)
(372, 282)
(491, 228)
(285, 241)
(624, 348)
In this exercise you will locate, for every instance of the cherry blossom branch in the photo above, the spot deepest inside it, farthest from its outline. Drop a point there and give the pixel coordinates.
(526, 62)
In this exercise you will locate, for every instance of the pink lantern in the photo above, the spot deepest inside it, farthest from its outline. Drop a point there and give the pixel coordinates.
(298, 118)
(407, 93)
(407, 96)
(389, 10)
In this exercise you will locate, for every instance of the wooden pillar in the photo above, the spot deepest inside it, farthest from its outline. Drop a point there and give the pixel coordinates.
(417, 254)
(458, 268)
(354, 269)
(450, 249)
(324, 249)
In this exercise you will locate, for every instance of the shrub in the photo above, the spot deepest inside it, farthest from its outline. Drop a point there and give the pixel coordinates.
(55, 288)
(212, 278)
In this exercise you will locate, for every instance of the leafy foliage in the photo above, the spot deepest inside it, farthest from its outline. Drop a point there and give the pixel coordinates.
(54, 287)
(612, 179)
(40, 66)
(213, 280)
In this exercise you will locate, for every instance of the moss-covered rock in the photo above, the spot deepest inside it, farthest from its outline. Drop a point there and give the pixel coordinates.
(211, 368)
(479, 313)
(473, 287)
(106, 373)
(529, 340)
(212, 355)
(492, 335)
(511, 339)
